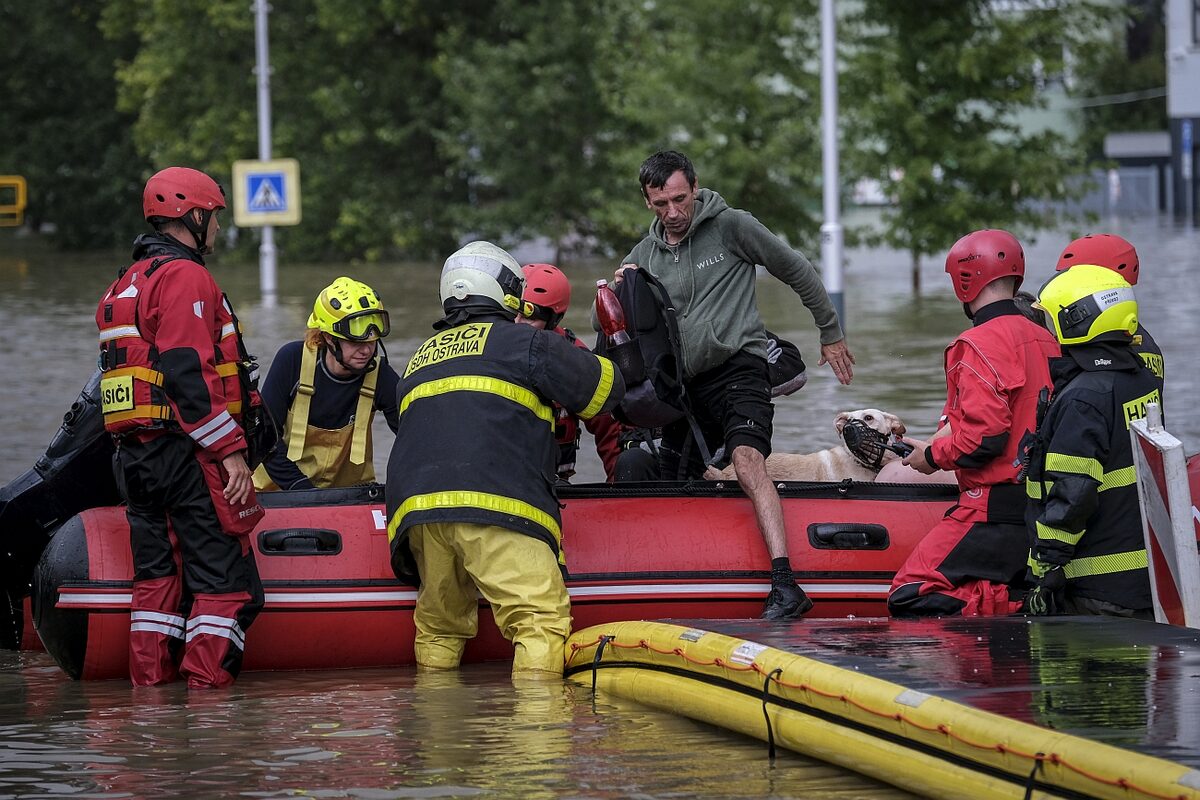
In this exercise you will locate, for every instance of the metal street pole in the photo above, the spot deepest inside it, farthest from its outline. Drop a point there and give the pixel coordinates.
(262, 68)
(1185, 161)
(831, 230)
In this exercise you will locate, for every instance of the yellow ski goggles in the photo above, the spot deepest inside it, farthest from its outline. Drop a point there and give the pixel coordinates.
(363, 326)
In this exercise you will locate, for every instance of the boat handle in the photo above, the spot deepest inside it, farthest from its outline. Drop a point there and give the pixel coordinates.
(848, 536)
(299, 542)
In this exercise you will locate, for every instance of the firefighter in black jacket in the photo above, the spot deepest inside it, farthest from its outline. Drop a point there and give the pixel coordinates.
(1088, 555)
(470, 481)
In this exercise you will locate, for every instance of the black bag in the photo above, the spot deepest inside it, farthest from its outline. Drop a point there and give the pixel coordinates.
(262, 436)
(785, 366)
(649, 362)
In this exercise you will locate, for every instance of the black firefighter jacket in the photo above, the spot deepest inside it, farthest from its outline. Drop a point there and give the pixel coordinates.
(1082, 483)
(475, 441)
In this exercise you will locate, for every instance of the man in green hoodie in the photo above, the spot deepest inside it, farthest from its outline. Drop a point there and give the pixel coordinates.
(705, 254)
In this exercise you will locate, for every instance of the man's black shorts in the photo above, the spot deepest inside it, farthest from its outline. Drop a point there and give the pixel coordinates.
(732, 405)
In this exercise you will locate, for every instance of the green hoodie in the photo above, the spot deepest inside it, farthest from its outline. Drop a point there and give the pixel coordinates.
(710, 276)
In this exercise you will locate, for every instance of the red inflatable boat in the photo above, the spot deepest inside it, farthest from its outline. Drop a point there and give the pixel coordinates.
(640, 552)
(648, 551)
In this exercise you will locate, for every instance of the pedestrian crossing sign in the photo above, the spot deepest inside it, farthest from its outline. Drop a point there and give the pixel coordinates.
(266, 192)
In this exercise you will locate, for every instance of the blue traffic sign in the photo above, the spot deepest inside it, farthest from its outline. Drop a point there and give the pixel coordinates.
(266, 192)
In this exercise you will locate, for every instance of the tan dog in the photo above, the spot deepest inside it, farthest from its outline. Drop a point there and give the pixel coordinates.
(834, 464)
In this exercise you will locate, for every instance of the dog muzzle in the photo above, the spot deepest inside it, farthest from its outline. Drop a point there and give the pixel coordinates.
(868, 445)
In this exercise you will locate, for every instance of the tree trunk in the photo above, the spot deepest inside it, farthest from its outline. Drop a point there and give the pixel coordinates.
(916, 272)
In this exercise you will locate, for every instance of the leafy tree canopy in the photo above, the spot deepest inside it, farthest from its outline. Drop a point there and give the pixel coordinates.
(932, 91)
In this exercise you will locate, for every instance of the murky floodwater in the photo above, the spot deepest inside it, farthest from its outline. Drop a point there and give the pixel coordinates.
(897, 339)
(378, 734)
(385, 734)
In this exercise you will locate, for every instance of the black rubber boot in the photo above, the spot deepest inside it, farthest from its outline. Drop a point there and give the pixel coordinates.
(786, 601)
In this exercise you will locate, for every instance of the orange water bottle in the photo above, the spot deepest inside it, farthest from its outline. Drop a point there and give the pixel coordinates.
(610, 314)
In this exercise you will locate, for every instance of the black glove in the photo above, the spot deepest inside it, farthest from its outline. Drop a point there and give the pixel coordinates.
(1048, 594)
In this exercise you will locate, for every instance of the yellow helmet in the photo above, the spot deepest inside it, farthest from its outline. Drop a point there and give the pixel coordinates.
(1088, 303)
(349, 309)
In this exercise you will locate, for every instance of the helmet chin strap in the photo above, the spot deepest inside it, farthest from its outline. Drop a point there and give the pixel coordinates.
(334, 345)
(967, 310)
(199, 229)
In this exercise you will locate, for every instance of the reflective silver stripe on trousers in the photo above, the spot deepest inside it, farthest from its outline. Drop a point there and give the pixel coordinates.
(212, 625)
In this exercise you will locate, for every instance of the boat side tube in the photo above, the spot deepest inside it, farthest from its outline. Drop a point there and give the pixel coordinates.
(914, 740)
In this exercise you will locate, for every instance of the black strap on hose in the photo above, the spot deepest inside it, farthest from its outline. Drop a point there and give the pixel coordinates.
(766, 696)
(1030, 781)
(596, 664)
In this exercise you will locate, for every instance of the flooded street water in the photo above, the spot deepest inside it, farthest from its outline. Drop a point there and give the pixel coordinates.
(397, 734)
(377, 734)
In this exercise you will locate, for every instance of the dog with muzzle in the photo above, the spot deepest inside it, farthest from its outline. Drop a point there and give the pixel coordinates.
(867, 436)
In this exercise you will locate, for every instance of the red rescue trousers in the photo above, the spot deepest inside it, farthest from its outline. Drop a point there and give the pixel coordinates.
(967, 563)
(195, 587)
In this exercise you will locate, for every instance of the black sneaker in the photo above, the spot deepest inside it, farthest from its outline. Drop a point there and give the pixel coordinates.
(786, 601)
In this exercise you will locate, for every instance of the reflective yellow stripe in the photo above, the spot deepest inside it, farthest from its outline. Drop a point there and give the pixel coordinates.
(465, 499)
(480, 383)
(1118, 478)
(603, 389)
(1076, 465)
(298, 416)
(1105, 565)
(149, 412)
(160, 412)
(1058, 534)
(362, 416)
(1111, 480)
(151, 376)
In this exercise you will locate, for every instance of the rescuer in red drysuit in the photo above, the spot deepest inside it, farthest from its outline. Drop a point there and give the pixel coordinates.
(995, 372)
(176, 386)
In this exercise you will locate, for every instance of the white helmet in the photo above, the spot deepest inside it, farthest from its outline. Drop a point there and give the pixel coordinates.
(484, 270)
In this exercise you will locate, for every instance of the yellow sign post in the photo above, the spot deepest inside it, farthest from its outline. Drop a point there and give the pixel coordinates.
(266, 192)
(12, 201)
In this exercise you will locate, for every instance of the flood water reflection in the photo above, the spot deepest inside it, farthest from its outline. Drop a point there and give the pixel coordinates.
(377, 734)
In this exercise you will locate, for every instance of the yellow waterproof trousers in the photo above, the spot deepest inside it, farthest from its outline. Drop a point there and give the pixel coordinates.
(517, 574)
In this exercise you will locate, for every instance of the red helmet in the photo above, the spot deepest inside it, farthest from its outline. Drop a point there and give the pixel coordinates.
(547, 287)
(173, 192)
(1103, 250)
(981, 257)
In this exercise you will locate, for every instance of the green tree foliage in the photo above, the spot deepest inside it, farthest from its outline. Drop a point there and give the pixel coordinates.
(59, 124)
(733, 85)
(355, 99)
(529, 128)
(418, 122)
(932, 89)
(1120, 67)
